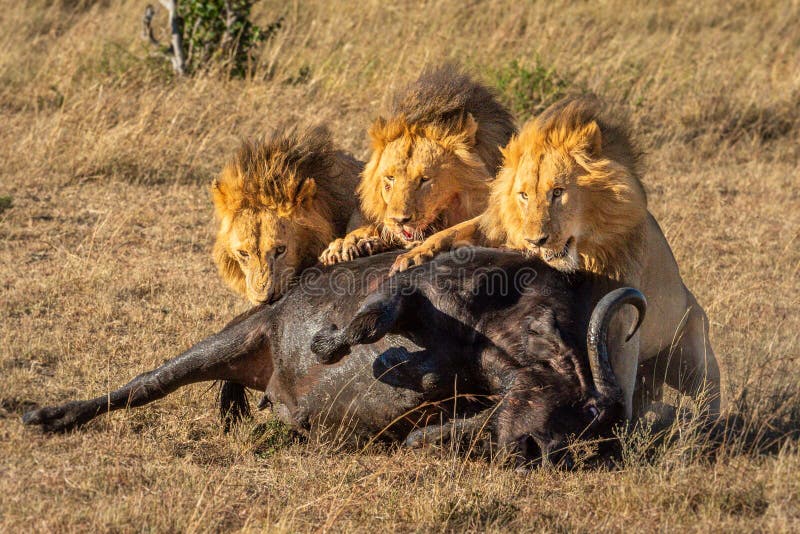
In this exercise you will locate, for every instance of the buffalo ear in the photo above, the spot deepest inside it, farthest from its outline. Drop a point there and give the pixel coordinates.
(543, 323)
(591, 139)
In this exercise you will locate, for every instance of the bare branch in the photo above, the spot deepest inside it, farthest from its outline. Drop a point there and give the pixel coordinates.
(230, 20)
(175, 51)
(176, 30)
(147, 27)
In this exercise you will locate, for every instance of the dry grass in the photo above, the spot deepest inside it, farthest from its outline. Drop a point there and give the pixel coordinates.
(105, 259)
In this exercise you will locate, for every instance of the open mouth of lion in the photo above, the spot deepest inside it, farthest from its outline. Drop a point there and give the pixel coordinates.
(407, 233)
(419, 231)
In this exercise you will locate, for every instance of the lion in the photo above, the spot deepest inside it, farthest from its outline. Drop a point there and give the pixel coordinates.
(431, 163)
(570, 192)
(279, 202)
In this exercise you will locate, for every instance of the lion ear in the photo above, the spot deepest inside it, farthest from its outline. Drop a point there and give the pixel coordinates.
(377, 133)
(510, 152)
(470, 128)
(219, 195)
(306, 192)
(224, 190)
(590, 139)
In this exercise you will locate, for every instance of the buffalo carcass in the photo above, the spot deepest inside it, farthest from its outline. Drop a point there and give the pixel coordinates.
(522, 345)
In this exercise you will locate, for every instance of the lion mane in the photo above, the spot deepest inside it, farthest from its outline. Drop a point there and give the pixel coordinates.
(570, 191)
(296, 175)
(584, 150)
(450, 108)
(615, 204)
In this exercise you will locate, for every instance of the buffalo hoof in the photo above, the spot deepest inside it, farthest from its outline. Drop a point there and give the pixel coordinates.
(328, 345)
(59, 418)
(428, 435)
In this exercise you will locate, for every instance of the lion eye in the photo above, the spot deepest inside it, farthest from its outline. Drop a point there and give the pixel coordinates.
(280, 250)
(424, 179)
(389, 178)
(523, 195)
(557, 192)
(243, 254)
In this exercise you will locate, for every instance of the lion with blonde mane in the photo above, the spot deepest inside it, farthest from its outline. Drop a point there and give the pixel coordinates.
(570, 193)
(431, 163)
(279, 203)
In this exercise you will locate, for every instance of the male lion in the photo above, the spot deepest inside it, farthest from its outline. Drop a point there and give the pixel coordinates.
(431, 163)
(569, 192)
(279, 202)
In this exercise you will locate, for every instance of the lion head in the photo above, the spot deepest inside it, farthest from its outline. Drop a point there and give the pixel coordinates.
(569, 190)
(278, 203)
(433, 159)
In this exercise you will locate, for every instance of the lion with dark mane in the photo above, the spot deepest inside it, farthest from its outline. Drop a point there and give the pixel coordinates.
(570, 192)
(431, 163)
(279, 203)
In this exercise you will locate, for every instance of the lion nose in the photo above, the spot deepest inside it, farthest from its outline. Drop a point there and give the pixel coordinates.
(538, 241)
(401, 219)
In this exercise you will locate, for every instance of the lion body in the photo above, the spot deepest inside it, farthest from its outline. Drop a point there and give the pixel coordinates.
(278, 203)
(431, 165)
(570, 192)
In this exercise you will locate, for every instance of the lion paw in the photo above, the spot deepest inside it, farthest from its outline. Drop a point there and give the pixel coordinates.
(341, 249)
(371, 245)
(415, 256)
(348, 249)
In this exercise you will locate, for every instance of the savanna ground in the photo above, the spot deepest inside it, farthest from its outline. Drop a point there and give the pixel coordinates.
(106, 230)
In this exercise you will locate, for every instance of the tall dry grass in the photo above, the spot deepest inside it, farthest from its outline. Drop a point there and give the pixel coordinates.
(105, 266)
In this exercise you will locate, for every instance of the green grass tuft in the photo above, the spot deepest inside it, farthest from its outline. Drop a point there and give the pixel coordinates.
(528, 88)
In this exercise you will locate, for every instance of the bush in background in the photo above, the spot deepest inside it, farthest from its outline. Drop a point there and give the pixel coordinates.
(221, 32)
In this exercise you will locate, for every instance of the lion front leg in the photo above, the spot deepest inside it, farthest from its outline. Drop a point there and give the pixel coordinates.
(649, 386)
(692, 367)
(462, 234)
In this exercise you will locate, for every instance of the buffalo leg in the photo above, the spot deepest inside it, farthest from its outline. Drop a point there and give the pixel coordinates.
(373, 320)
(233, 404)
(238, 353)
(441, 433)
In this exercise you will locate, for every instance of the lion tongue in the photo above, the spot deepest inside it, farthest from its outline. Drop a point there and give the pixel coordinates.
(407, 235)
